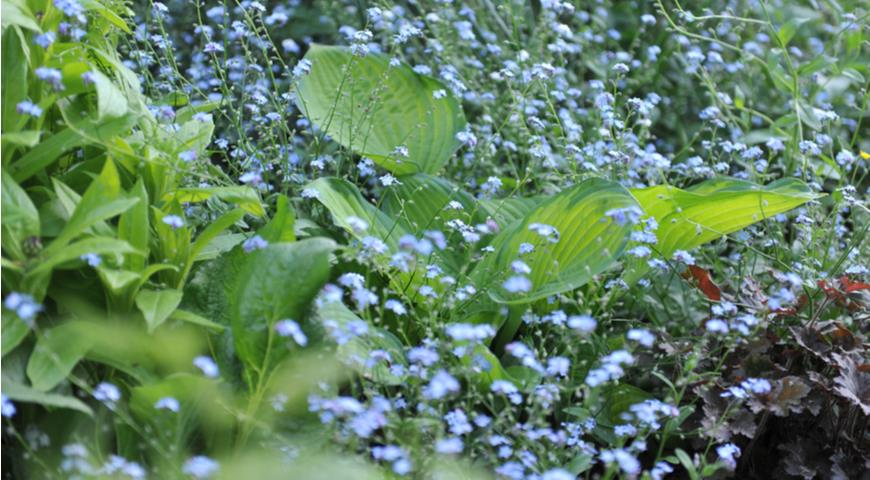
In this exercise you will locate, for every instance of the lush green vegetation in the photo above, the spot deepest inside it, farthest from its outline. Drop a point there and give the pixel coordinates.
(434, 239)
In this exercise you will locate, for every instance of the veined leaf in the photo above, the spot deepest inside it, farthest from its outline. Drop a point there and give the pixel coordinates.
(373, 108)
(275, 283)
(355, 351)
(111, 102)
(343, 200)
(589, 242)
(506, 211)
(715, 208)
(244, 197)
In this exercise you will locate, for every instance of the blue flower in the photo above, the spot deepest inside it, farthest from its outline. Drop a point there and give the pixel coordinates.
(7, 408)
(27, 107)
(441, 385)
(208, 367)
(254, 243)
(108, 394)
(173, 221)
(167, 403)
(289, 328)
(200, 467)
(92, 259)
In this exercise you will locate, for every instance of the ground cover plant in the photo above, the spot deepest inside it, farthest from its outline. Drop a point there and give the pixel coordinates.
(435, 239)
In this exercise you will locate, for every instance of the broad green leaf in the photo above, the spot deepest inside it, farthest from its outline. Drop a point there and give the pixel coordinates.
(219, 245)
(275, 283)
(111, 102)
(343, 200)
(506, 211)
(356, 351)
(280, 227)
(57, 352)
(589, 242)
(134, 227)
(157, 305)
(14, 331)
(21, 393)
(373, 108)
(689, 218)
(422, 202)
(107, 13)
(244, 197)
(20, 218)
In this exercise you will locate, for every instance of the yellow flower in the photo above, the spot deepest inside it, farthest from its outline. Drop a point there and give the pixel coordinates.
(864, 155)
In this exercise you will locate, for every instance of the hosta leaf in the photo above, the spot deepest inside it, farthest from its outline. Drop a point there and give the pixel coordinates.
(372, 108)
(57, 352)
(589, 243)
(506, 211)
(343, 200)
(275, 283)
(421, 202)
(715, 208)
(245, 197)
(355, 351)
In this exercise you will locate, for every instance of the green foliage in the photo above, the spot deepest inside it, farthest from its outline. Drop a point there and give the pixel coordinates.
(372, 108)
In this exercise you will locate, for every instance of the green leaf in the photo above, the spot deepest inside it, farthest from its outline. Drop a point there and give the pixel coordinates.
(219, 245)
(157, 305)
(134, 227)
(343, 200)
(275, 283)
(21, 393)
(589, 243)
(712, 209)
(506, 211)
(14, 331)
(421, 201)
(15, 12)
(58, 350)
(355, 352)
(245, 197)
(111, 102)
(190, 317)
(280, 228)
(97, 245)
(20, 217)
(107, 13)
(372, 108)
(27, 138)
(102, 200)
(213, 229)
(14, 67)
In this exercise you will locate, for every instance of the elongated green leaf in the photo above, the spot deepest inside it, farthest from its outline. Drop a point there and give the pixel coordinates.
(16, 12)
(280, 228)
(275, 283)
(102, 200)
(14, 65)
(26, 138)
(214, 229)
(589, 242)
(20, 218)
(157, 305)
(134, 227)
(343, 200)
(96, 245)
(712, 209)
(57, 352)
(190, 317)
(21, 393)
(373, 108)
(244, 197)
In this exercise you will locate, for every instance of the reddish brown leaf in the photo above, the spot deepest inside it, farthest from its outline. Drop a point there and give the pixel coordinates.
(849, 286)
(704, 282)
